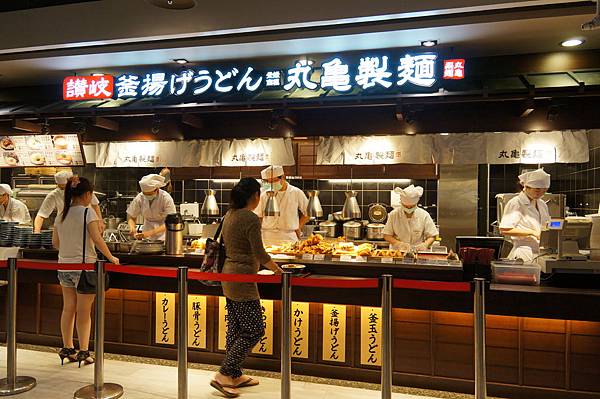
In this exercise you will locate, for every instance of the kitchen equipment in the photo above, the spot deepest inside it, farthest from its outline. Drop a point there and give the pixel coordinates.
(124, 246)
(147, 247)
(377, 213)
(190, 210)
(307, 230)
(322, 233)
(338, 217)
(293, 268)
(329, 228)
(556, 204)
(375, 231)
(112, 222)
(515, 273)
(314, 209)
(351, 208)
(174, 236)
(272, 205)
(195, 229)
(352, 230)
(210, 206)
(595, 233)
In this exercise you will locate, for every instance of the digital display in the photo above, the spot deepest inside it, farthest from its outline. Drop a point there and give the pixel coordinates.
(556, 224)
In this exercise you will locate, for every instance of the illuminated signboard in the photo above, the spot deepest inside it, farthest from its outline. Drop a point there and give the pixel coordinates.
(368, 74)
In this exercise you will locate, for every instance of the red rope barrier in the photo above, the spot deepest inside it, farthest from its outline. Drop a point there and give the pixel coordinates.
(237, 278)
(335, 283)
(143, 271)
(25, 264)
(3, 264)
(432, 285)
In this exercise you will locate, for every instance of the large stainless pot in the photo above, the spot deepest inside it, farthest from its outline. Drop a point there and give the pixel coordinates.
(329, 228)
(353, 230)
(148, 246)
(375, 231)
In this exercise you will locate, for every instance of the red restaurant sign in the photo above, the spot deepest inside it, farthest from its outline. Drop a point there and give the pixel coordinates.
(88, 87)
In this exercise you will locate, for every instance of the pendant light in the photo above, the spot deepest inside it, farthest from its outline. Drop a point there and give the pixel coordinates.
(210, 206)
(314, 208)
(272, 205)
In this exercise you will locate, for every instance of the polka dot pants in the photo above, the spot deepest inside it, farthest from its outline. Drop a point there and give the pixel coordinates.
(244, 329)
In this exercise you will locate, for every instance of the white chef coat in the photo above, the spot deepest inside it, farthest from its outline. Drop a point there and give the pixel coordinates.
(15, 211)
(521, 213)
(283, 227)
(414, 230)
(154, 212)
(55, 200)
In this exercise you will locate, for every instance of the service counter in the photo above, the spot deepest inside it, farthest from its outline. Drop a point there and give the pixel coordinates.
(542, 342)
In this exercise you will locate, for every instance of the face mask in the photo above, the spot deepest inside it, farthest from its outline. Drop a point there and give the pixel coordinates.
(150, 197)
(275, 187)
(410, 210)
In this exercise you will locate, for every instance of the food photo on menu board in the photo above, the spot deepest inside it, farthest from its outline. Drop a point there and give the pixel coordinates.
(41, 150)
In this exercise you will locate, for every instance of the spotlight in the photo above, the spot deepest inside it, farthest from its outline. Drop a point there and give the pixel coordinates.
(552, 114)
(399, 113)
(572, 42)
(527, 108)
(181, 61)
(594, 23)
(155, 125)
(429, 43)
(173, 4)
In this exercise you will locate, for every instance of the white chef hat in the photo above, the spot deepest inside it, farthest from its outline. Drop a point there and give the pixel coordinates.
(410, 195)
(535, 179)
(63, 176)
(5, 189)
(152, 182)
(271, 172)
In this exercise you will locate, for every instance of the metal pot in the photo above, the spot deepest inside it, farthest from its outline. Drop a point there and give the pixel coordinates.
(148, 246)
(124, 246)
(353, 230)
(375, 231)
(329, 228)
(338, 217)
(112, 246)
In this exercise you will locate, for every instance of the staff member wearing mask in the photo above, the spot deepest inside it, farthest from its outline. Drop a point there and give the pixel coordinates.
(526, 215)
(55, 201)
(154, 205)
(410, 225)
(292, 202)
(11, 209)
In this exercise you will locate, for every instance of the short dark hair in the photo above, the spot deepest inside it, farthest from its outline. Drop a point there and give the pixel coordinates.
(242, 192)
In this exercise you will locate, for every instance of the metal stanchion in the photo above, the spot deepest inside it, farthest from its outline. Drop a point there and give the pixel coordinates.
(12, 384)
(479, 321)
(386, 337)
(286, 334)
(182, 334)
(99, 389)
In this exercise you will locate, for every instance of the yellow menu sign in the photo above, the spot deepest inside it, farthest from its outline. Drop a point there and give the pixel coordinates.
(334, 333)
(265, 345)
(197, 321)
(165, 318)
(221, 344)
(300, 328)
(370, 336)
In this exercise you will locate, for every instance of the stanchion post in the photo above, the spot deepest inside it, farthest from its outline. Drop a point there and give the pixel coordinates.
(386, 337)
(12, 384)
(99, 389)
(286, 333)
(479, 322)
(182, 334)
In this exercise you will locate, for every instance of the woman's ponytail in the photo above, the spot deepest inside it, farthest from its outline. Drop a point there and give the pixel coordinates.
(75, 188)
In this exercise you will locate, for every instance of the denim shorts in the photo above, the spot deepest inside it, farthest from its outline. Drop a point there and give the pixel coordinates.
(69, 279)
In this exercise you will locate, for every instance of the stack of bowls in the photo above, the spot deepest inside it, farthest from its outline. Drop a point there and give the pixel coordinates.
(21, 237)
(47, 239)
(7, 233)
(35, 241)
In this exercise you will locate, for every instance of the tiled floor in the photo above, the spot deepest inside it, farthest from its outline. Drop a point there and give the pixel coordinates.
(150, 381)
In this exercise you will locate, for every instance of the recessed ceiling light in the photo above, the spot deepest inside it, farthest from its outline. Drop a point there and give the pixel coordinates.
(572, 42)
(181, 61)
(429, 43)
(173, 4)
(444, 134)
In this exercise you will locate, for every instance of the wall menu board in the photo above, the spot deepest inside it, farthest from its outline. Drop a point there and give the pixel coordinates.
(41, 150)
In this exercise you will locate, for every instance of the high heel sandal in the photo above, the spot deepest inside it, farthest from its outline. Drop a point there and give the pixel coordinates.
(67, 353)
(84, 356)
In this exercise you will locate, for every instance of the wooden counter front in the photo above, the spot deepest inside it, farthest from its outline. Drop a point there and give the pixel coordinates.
(542, 342)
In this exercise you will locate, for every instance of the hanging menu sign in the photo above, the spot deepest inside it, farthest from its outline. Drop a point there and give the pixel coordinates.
(197, 321)
(334, 333)
(165, 318)
(370, 336)
(300, 324)
(41, 150)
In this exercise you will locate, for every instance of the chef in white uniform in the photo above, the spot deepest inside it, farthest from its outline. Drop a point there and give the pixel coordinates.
(154, 205)
(55, 201)
(526, 215)
(11, 209)
(292, 206)
(409, 225)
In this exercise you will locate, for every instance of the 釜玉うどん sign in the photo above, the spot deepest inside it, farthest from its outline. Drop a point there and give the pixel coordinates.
(339, 75)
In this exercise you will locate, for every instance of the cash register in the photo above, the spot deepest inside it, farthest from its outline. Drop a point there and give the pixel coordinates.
(565, 246)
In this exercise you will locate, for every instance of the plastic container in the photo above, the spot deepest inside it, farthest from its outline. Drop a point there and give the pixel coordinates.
(521, 274)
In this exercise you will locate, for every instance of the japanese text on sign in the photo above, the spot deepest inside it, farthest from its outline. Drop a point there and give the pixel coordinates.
(197, 321)
(265, 345)
(370, 336)
(334, 333)
(165, 318)
(88, 87)
(300, 329)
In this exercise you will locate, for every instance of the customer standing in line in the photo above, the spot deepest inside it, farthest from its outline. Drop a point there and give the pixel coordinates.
(76, 228)
(244, 252)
